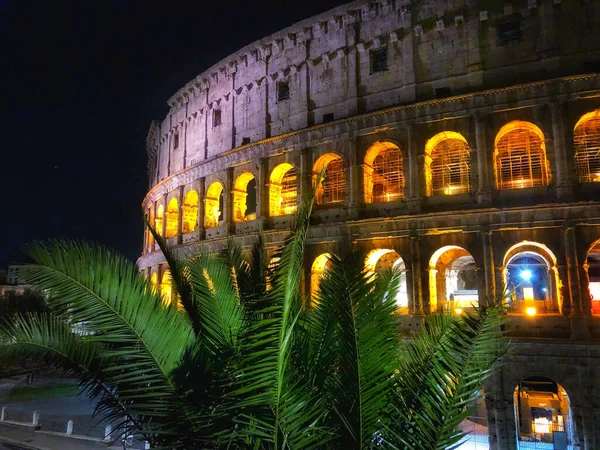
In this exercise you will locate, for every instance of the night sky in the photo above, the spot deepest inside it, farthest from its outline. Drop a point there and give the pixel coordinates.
(81, 82)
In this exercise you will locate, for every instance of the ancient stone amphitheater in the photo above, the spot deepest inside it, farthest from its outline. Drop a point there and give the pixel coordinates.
(460, 140)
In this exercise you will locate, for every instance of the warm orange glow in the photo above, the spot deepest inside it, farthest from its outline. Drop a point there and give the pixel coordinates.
(165, 287)
(531, 311)
(158, 222)
(240, 199)
(213, 206)
(458, 311)
(383, 177)
(586, 137)
(150, 237)
(272, 266)
(317, 272)
(447, 164)
(520, 156)
(154, 280)
(333, 187)
(382, 259)
(447, 266)
(172, 217)
(190, 211)
(283, 193)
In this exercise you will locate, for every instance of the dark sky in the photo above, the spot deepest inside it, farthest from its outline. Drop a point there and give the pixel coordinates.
(80, 82)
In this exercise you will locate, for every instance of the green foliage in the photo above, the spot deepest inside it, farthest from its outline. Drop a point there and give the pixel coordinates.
(244, 362)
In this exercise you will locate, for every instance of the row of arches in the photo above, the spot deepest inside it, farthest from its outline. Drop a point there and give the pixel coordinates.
(530, 277)
(520, 161)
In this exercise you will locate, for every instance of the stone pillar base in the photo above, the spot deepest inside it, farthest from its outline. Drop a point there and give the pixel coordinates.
(414, 205)
(564, 193)
(579, 327)
(484, 198)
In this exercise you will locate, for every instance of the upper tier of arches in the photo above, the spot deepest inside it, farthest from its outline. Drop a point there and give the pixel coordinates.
(388, 173)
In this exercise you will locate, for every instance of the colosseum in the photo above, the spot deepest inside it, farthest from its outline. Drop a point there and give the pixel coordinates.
(460, 140)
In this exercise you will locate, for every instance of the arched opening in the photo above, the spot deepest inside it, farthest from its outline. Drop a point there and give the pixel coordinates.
(531, 279)
(383, 259)
(154, 280)
(333, 187)
(172, 217)
(586, 137)
(543, 414)
(244, 198)
(165, 287)
(283, 191)
(447, 164)
(452, 280)
(158, 222)
(383, 177)
(190, 211)
(213, 205)
(592, 267)
(317, 271)
(520, 156)
(150, 237)
(273, 263)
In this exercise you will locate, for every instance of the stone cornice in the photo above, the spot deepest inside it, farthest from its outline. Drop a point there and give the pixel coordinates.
(484, 102)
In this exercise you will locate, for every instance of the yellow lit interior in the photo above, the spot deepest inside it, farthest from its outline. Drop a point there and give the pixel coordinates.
(213, 205)
(333, 187)
(190, 211)
(165, 287)
(586, 137)
(447, 164)
(283, 191)
(172, 216)
(520, 156)
(318, 269)
(383, 177)
(272, 266)
(150, 238)
(154, 280)
(240, 195)
(158, 222)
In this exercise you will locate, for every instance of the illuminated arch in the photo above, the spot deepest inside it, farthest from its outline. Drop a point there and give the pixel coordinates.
(150, 237)
(530, 275)
(273, 263)
(520, 156)
(383, 177)
(592, 271)
(154, 280)
(586, 138)
(447, 164)
(317, 272)
(542, 408)
(172, 217)
(165, 287)
(213, 205)
(190, 211)
(283, 190)
(452, 279)
(244, 198)
(333, 187)
(381, 259)
(158, 222)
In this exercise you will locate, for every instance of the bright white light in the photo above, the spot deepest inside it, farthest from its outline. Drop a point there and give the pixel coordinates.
(526, 274)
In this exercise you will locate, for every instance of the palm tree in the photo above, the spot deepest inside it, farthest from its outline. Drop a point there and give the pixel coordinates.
(242, 361)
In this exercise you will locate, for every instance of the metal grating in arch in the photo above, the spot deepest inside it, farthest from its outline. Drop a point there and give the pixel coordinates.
(450, 167)
(587, 149)
(388, 180)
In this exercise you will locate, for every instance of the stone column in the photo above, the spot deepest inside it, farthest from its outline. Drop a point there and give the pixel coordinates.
(180, 215)
(564, 187)
(484, 191)
(488, 267)
(579, 323)
(201, 207)
(262, 190)
(228, 201)
(414, 194)
(305, 175)
(417, 286)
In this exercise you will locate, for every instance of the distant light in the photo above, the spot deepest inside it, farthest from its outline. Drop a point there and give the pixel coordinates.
(544, 289)
(526, 274)
(531, 311)
(458, 311)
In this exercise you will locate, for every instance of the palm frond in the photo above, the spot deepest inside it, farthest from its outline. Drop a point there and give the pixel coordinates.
(142, 341)
(441, 371)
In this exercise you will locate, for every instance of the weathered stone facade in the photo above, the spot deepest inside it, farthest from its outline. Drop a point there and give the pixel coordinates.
(510, 92)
